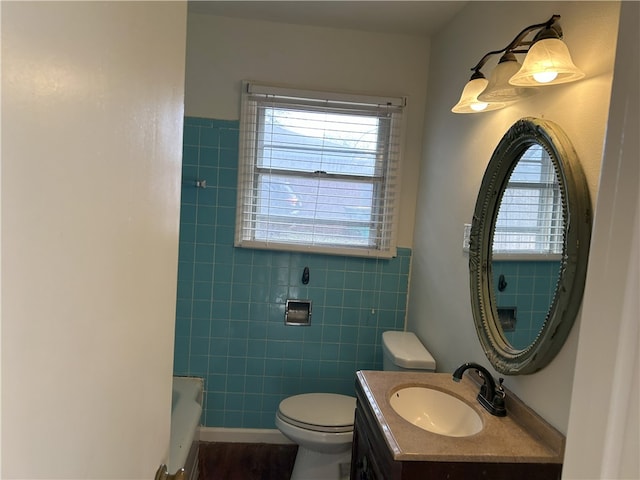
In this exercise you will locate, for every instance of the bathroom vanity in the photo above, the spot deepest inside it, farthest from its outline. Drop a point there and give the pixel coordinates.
(387, 447)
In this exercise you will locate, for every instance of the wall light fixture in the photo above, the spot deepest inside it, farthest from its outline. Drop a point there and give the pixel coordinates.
(547, 62)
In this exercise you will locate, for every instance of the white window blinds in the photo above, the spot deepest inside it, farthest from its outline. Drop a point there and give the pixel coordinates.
(530, 219)
(318, 171)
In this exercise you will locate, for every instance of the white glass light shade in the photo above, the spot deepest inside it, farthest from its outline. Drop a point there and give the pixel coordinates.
(469, 102)
(548, 62)
(500, 90)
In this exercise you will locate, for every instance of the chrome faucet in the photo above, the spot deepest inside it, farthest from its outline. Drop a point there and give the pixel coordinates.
(490, 396)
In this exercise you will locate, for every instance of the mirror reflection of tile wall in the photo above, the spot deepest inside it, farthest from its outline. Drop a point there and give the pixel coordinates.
(230, 312)
(530, 287)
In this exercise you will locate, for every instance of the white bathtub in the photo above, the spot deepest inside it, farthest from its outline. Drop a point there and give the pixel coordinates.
(186, 409)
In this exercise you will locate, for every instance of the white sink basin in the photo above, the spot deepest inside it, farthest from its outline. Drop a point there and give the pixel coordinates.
(436, 411)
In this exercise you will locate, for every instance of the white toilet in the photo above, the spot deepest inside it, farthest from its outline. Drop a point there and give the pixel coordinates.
(322, 423)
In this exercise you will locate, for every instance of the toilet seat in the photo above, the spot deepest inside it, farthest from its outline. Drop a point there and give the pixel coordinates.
(320, 412)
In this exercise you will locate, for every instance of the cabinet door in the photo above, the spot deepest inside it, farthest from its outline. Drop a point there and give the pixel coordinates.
(364, 465)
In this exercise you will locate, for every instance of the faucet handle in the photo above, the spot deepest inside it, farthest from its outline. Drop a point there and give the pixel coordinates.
(499, 393)
(483, 387)
(498, 399)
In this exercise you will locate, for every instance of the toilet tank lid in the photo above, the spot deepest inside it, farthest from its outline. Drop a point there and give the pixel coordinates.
(406, 351)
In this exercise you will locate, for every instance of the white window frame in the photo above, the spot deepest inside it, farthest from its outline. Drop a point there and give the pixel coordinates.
(384, 214)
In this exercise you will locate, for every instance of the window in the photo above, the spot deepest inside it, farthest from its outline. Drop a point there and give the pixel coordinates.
(530, 215)
(318, 171)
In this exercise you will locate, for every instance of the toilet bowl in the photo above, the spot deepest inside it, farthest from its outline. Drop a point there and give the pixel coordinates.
(322, 426)
(322, 423)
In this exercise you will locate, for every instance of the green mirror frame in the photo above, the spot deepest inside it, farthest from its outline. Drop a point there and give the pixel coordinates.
(577, 216)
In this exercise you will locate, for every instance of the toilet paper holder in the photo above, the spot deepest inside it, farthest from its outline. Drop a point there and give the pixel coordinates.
(297, 312)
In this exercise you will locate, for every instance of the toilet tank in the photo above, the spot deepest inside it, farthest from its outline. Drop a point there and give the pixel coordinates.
(403, 351)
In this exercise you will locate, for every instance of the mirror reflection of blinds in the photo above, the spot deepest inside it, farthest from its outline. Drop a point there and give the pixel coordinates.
(318, 172)
(530, 216)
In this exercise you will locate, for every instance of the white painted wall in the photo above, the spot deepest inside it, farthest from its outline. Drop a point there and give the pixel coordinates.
(92, 116)
(457, 150)
(603, 436)
(221, 52)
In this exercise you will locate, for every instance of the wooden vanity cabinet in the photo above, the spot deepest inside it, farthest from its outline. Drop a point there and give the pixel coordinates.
(371, 459)
(370, 456)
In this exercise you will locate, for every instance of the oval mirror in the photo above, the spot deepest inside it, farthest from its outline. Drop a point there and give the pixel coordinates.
(528, 247)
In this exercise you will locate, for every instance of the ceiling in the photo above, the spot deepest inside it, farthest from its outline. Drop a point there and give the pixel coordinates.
(421, 18)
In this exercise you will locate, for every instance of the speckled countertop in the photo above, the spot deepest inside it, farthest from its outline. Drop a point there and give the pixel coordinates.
(520, 437)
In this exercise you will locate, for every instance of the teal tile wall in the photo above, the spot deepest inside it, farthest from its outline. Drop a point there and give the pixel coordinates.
(230, 311)
(530, 288)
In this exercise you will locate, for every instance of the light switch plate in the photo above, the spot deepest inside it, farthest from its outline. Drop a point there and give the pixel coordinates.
(465, 239)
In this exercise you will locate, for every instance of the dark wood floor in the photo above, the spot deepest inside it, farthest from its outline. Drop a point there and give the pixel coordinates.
(246, 461)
